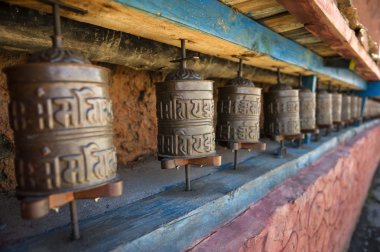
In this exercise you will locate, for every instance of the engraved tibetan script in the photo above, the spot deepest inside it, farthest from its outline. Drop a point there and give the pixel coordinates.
(185, 109)
(88, 165)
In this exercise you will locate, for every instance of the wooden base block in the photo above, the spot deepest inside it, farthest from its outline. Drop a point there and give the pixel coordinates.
(310, 131)
(279, 138)
(203, 161)
(37, 207)
(244, 146)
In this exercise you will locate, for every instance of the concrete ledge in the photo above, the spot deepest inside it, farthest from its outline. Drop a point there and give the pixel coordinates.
(173, 219)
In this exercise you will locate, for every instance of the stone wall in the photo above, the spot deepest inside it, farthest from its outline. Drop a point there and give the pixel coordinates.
(316, 210)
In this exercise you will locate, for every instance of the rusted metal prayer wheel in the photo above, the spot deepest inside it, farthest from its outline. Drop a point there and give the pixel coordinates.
(346, 108)
(354, 107)
(239, 106)
(324, 109)
(185, 111)
(307, 109)
(61, 115)
(282, 116)
(336, 107)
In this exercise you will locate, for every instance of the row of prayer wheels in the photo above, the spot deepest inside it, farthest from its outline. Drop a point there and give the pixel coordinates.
(290, 112)
(61, 114)
(372, 110)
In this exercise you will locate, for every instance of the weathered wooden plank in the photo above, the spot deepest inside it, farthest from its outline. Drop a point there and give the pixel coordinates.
(323, 19)
(23, 29)
(212, 27)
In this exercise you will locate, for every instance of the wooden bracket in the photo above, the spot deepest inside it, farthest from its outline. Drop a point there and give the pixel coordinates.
(279, 138)
(167, 163)
(244, 146)
(37, 207)
(310, 131)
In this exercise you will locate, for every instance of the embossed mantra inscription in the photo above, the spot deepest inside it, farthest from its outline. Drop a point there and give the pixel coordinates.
(324, 108)
(346, 108)
(282, 112)
(238, 114)
(185, 110)
(337, 107)
(63, 129)
(354, 107)
(307, 109)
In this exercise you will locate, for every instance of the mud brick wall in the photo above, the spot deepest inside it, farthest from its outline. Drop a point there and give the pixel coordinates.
(316, 210)
(134, 104)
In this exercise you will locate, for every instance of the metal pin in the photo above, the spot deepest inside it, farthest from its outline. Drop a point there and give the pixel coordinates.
(177, 167)
(74, 221)
(56, 209)
(235, 159)
(187, 173)
(96, 199)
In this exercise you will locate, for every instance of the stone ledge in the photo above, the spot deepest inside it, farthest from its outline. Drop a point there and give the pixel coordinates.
(173, 219)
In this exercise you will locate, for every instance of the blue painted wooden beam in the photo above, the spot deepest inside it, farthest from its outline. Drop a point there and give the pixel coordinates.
(310, 82)
(372, 90)
(214, 18)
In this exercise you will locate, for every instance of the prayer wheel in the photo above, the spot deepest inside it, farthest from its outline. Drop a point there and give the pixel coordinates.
(239, 106)
(185, 111)
(336, 107)
(282, 115)
(307, 109)
(346, 108)
(324, 109)
(61, 114)
(354, 107)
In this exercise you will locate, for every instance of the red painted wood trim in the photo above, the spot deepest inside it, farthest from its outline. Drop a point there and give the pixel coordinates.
(324, 20)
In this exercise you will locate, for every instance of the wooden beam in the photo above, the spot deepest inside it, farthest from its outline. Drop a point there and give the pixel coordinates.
(323, 19)
(373, 90)
(211, 27)
(18, 33)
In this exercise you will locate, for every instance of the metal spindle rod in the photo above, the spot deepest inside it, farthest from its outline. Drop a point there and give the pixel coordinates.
(74, 221)
(187, 173)
(57, 37)
(183, 53)
(240, 69)
(235, 159)
(278, 76)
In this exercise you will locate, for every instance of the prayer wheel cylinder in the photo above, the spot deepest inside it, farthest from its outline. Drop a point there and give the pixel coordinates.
(346, 108)
(239, 106)
(185, 110)
(354, 107)
(307, 109)
(282, 116)
(61, 115)
(336, 107)
(324, 109)
(359, 107)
